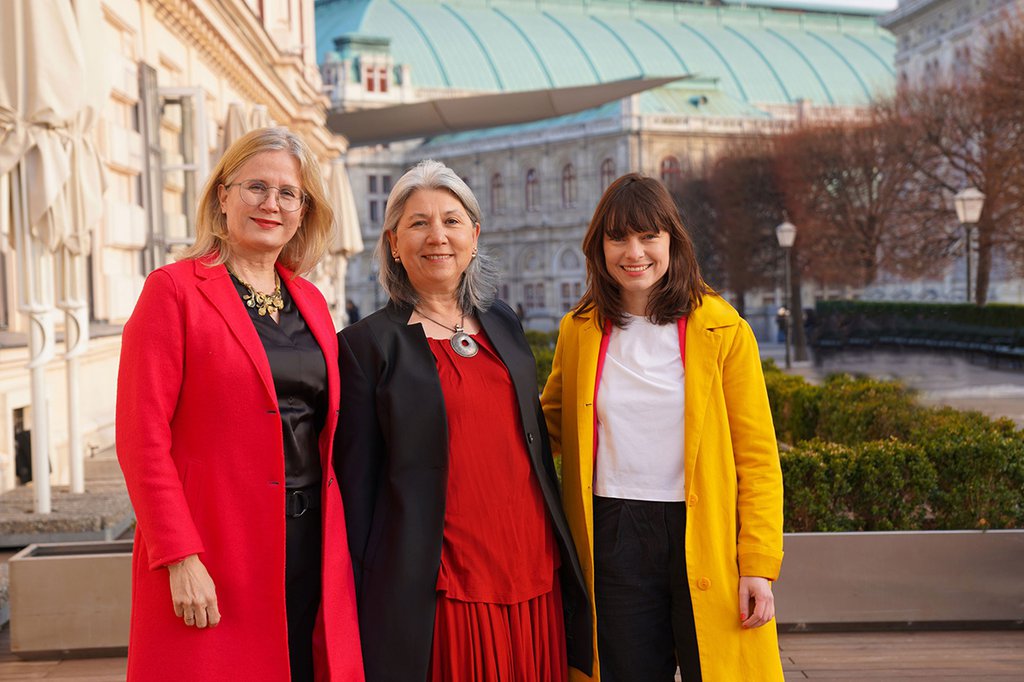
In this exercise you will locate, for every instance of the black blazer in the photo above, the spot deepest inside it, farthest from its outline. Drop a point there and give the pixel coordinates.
(391, 459)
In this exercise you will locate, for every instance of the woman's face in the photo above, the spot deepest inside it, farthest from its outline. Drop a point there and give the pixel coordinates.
(256, 231)
(637, 261)
(435, 240)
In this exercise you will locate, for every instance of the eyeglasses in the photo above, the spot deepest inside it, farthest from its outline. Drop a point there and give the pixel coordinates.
(254, 193)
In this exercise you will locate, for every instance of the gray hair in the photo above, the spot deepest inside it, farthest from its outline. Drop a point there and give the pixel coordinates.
(479, 284)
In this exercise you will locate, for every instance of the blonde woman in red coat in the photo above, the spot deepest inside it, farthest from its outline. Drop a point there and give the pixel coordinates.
(226, 411)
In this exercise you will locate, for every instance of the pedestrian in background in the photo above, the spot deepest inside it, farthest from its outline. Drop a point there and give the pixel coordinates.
(463, 558)
(671, 478)
(227, 401)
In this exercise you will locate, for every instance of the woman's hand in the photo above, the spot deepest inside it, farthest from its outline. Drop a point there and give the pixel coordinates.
(193, 593)
(757, 603)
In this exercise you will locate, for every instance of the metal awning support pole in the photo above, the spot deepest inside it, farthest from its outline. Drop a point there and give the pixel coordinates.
(76, 333)
(35, 292)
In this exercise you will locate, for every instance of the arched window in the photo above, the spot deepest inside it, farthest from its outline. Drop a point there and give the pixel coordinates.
(671, 172)
(568, 186)
(497, 193)
(607, 173)
(532, 190)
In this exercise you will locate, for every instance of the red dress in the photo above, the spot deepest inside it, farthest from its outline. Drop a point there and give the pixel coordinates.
(499, 611)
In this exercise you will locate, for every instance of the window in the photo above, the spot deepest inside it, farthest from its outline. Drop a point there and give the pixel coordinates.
(497, 193)
(571, 292)
(382, 79)
(378, 187)
(371, 79)
(532, 190)
(534, 294)
(568, 186)
(671, 172)
(607, 173)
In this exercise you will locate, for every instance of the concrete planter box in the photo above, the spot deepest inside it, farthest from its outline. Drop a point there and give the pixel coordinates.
(901, 579)
(73, 596)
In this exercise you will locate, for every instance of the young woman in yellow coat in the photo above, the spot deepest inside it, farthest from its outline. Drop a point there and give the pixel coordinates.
(670, 468)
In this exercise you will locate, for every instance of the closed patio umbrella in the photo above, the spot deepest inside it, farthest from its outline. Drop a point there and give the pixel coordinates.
(348, 238)
(44, 119)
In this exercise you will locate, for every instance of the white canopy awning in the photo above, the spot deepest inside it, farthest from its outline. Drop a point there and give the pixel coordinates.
(441, 116)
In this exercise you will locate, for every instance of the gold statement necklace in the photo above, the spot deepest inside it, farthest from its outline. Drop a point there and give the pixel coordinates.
(263, 303)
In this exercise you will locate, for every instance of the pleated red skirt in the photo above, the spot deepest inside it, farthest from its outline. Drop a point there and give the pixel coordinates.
(481, 642)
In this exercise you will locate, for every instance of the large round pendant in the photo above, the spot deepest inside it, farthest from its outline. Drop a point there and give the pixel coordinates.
(464, 345)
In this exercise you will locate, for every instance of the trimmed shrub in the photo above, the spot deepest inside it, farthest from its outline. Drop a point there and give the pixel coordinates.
(858, 409)
(543, 346)
(980, 468)
(878, 485)
(890, 483)
(816, 487)
(795, 406)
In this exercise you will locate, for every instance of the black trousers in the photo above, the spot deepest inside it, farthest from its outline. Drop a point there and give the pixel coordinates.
(302, 589)
(644, 613)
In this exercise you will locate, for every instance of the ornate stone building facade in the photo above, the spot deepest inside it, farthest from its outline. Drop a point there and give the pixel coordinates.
(750, 71)
(174, 71)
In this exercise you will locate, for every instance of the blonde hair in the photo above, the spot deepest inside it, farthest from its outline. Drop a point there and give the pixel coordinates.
(304, 250)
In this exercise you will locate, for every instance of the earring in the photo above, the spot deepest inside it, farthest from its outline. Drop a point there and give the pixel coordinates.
(474, 254)
(397, 259)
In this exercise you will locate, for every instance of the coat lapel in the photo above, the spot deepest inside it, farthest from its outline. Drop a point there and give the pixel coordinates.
(590, 336)
(216, 286)
(702, 347)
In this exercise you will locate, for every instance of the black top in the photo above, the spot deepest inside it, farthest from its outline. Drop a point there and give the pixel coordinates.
(300, 379)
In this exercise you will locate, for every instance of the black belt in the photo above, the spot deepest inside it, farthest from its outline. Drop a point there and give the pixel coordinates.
(298, 501)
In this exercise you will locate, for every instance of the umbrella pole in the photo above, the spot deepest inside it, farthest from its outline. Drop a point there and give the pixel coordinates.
(34, 263)
(76, 328)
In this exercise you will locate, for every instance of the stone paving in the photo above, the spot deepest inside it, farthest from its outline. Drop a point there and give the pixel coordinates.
(836, 657)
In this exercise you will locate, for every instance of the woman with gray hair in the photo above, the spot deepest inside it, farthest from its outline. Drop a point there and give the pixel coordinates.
(464, 565)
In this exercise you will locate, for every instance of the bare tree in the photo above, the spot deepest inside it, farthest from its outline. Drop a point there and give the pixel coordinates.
(845, 186)
(970, 133)
(696, 206)
(749, 205)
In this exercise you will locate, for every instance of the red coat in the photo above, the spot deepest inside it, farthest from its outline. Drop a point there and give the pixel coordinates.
(199, 440)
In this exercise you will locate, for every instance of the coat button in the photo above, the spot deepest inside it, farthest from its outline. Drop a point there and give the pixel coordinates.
(704, 583)
(692, 500)
(330, 481)
(529, 438)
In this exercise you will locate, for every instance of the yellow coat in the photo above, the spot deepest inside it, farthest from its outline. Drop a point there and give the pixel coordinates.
(733, 479)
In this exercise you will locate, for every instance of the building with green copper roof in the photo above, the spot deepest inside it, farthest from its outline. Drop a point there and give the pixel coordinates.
(750, 68)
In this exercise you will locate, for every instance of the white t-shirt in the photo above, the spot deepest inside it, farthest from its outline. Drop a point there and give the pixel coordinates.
(640, 414)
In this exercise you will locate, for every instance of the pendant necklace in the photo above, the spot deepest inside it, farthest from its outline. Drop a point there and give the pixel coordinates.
(461, 342)
(263, 303)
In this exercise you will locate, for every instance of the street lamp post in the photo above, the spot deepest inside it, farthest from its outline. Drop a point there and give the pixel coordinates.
(968, 204)
(786, 234)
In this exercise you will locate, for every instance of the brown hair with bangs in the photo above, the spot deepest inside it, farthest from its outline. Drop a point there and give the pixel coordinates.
(635, 203)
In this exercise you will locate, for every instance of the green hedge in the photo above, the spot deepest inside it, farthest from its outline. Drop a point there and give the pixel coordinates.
(866, 456)
(543, 346)
(875, 485)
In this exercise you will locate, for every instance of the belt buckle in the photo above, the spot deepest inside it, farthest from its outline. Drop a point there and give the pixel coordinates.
(302, 503)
